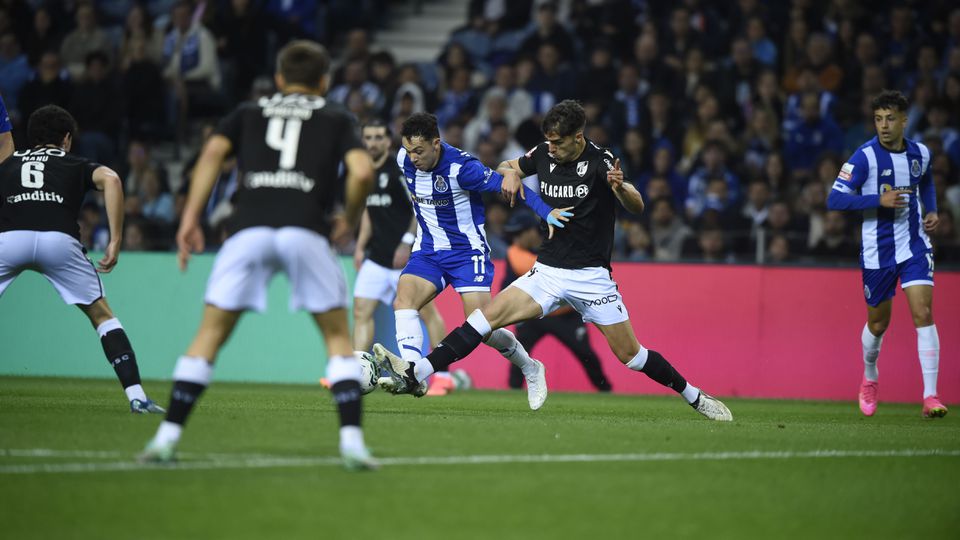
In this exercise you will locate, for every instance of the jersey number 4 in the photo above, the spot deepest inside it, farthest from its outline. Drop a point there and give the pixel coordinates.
(283, 135)
(31, 174)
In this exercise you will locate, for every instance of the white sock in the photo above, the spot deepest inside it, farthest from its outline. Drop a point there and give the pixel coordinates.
(928, 347)
(193, 369)
(168, 433)
(135, 391)
(479, 322)
(351, 437)
(343, 368)
(409, 334)
(871, 350)
(108, 325)
(422, 368)
(639, 360)
(690, 393)
(507, 345)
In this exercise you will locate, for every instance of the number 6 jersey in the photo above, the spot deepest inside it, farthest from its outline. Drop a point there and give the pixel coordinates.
(288, 150)
(42, 189)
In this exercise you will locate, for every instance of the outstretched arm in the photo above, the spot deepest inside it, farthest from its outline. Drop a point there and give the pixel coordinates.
(625, 192)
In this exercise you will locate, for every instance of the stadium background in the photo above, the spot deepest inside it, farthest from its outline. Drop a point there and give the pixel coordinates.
(703, 100)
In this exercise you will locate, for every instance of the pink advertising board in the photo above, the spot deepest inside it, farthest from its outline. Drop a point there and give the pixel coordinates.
(749, 331)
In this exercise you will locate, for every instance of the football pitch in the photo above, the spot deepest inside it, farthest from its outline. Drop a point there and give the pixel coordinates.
(259, 461)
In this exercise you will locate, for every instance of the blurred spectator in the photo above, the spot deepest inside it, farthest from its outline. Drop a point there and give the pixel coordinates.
(638, 241)
(548, 30)
(356, 80)
(49, 85)
(737, 78)
(678, 38)
(811, 137)
(519, 101)
(553, 76)
(760, 139)
(190, 56)
(714, 167)
(658, 126)
(14, 71)
(635, 160)
(293, 20)
(241, 45)
(492, 109)
(94, 105)
(155, 200)
(763, 49)
(43, 37)
(94, 233)
(503, 142)
(139, 162)
(667, 230)
(86, 38)
(459, 99)
(143, 91)
(664, 168)
(496, 217)
(627, 108)
(598, 81)
(757, 206)
(138, 30)
(646, 57)
(813, 208)
(708, 245)
(946, 243)
(835, 244)
(778, 250)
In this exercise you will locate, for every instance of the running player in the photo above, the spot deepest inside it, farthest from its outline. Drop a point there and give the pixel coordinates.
(288, 149)
(451, 245)
(573, 266)
(41, 190)
(387, 232)
(889, 180)
(6, 133)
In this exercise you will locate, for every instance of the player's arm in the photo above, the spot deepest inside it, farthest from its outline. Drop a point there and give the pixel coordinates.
(511, 183)
(108, 181)
(205, 174)
(402, 254)
(626, 192)
(6, 145)
(359, 182)
(363, 238)
(928, 196)
(845, 194)
(476, 177)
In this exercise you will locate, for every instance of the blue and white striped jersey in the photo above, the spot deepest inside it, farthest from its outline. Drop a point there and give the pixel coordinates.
(890, 236)
(447, 200)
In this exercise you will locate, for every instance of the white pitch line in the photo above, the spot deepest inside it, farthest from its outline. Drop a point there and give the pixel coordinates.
(266, 462)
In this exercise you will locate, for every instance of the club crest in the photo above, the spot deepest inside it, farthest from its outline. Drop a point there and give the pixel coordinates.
(582, 167)
(914, 167)
(440, 184)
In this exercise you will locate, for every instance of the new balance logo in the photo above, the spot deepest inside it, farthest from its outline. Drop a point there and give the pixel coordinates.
(886, 172)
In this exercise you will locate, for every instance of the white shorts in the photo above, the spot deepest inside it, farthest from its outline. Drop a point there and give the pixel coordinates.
(591, 291)
(56, 255)
(376, 282)
(250, 258)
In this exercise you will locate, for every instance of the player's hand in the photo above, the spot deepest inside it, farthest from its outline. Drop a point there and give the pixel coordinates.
(358, 257)
(511, 186)
(110, 256)
(401, 256)
(930, 221)
(189, 240)
(615, 177)
(894, 199)
(557, 218)
(340, 231)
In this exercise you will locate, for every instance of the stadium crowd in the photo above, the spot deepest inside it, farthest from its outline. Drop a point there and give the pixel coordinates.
(731, 118)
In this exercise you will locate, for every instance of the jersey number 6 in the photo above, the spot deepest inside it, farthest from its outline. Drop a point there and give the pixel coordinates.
(31, 174)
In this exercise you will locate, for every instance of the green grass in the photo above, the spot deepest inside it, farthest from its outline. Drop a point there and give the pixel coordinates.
(796, 497)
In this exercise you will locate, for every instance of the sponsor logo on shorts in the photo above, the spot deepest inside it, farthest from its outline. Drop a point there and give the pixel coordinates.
(608, 299)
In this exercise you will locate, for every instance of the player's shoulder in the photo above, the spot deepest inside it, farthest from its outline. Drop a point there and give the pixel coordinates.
(917, 146)
(541, 150)
(595, 152)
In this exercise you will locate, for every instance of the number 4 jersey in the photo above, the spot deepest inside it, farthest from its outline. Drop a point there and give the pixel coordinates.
(288, 150)
(42, 190)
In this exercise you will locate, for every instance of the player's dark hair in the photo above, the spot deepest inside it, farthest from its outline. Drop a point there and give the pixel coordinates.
(375, 123)
(423, 125)
(49, 125)
(565, 118)
(303, 62)
(890, 99)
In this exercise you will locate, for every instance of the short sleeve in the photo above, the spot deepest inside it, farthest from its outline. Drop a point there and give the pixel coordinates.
(528, 161)
(231, 126)
(852, 174)
(606, 165)
(87, 170)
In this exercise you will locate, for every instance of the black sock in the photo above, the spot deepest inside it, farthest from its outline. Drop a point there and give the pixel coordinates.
(182, 399)
(658, 369)
(347, 396)
(456, 346)
(120, 354)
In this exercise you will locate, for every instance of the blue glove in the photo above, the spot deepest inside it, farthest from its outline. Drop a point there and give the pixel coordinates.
(556, 222)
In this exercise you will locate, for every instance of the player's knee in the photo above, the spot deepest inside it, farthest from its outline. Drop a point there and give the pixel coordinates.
(362, 311)
(878, 328)
(625, 352)
(922, 317)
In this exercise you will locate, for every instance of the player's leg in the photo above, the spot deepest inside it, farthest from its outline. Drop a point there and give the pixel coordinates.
(421, 281)
(623, 342)
(363, 327)
(879, 286)
(528, 334)
(238, 282)
(318, 286)
(436, 327)
(343, 373)
(920, 298)
(119, 352)
(570, 330)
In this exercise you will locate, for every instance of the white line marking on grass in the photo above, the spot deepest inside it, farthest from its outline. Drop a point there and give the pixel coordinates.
(235, 461)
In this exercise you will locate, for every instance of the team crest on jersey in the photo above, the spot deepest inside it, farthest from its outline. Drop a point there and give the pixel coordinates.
(440, 184)
(914, 167)
(384, 180)
(582, 167)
